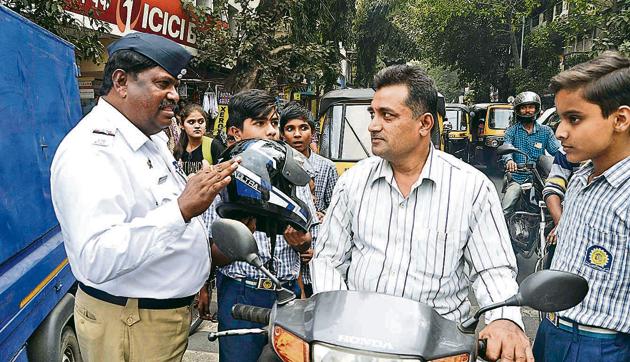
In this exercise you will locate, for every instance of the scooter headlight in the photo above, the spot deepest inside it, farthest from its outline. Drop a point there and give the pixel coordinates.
(329, 353)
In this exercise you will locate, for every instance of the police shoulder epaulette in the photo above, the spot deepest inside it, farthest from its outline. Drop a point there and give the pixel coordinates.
(103, 137)
(105, 132)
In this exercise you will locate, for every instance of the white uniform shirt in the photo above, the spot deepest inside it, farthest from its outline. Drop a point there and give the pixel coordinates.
(115, 192)
(449, 232)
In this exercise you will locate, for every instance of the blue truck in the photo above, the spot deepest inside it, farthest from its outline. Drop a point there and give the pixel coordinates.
(39, 104)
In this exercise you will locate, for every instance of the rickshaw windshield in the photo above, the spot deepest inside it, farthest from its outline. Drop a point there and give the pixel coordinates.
(345, 133)
(456, 118)
(500, 118)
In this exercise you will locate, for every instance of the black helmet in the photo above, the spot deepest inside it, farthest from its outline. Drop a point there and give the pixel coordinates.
(524, 98)
(264, 186)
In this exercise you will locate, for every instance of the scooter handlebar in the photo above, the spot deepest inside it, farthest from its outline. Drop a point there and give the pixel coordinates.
(481, 348)
(251, 313)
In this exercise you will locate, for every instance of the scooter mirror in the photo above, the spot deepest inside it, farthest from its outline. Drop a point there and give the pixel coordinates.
(505, 149)
(552, 290)
(236, 241)
(545, 291)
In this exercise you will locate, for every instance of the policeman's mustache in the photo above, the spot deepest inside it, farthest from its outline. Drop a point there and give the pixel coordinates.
(172, 105)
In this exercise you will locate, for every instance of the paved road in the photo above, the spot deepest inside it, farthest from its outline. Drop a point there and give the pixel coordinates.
(200, 349)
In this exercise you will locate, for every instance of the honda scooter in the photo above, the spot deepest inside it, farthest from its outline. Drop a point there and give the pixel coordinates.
(372, 327)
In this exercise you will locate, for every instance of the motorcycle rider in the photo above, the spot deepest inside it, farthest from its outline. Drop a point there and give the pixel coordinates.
(528, 136)
(400, 224)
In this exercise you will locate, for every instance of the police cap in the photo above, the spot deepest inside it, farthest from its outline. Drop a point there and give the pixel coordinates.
(166, 53)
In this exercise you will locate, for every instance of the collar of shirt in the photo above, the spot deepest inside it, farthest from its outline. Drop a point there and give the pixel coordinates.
(535, 130)
(616, 175)
(134, 137)
(385, 171)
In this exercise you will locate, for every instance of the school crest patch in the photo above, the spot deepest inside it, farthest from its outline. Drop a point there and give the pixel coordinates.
(598, 257)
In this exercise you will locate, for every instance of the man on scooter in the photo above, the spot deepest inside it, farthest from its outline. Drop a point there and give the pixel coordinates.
(418, 223)
(531, 138)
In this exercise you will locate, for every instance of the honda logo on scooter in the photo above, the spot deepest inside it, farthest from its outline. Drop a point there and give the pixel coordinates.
(365, 342)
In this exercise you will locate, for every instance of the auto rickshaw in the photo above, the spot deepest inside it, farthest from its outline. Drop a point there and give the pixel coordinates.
(457, 134)
(488, 125)
(343, 118)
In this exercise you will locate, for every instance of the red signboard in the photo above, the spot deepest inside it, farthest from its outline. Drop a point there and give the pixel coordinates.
(161, 17)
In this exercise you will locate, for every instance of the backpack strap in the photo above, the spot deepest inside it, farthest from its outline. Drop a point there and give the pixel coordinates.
(206, 143)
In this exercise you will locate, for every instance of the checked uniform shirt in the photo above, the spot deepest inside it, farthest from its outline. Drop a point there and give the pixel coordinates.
(594, 242)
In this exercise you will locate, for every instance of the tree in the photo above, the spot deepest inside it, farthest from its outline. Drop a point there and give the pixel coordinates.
(379, 40)
(51, 15)
(615, 27)
(478, 38)
(277, 42)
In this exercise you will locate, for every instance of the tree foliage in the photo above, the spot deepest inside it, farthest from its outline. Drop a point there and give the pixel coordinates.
(277, 42)
(380, 41)
(615, 27)
(51, 15)
(478, 38)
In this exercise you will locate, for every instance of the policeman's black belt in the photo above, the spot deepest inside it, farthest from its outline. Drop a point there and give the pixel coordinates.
(143, 303)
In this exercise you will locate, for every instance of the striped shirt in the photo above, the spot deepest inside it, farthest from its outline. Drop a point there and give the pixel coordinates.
(325, 175)
(449, 232)
(594, 242)
(325, 180)
(559, 176)
(533, 144)
(287, 260)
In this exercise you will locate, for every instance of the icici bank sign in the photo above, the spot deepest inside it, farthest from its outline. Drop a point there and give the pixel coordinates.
(166, 18)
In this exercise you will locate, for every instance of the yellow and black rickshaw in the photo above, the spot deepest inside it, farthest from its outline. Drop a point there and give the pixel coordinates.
(488, 125)
(343, 118)
(457, 140)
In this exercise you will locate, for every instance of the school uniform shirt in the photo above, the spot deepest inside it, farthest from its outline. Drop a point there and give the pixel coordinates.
(559, 175)
(594, 242)
(325, 180)
(448, 233)
(115, 193)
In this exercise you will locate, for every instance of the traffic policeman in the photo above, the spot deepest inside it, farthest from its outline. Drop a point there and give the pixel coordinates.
(128, 214)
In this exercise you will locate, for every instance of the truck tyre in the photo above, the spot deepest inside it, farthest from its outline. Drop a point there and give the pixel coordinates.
(69, 346)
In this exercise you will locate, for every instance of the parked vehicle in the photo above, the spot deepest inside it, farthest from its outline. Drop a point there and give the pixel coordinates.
(364, 326)
(457, 140)
(344, 137)
(488, 125)
(530, 224)
(40, 104)
(549, 118)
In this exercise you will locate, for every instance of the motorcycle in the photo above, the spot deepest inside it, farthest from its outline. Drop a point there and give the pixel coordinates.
(530, 224)
(371, 327)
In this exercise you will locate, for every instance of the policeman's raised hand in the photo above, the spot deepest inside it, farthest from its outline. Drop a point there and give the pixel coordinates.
(298, 240)
(204, 186)
(511, 166)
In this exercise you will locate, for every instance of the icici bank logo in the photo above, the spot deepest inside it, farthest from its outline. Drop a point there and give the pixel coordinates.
(124, 15)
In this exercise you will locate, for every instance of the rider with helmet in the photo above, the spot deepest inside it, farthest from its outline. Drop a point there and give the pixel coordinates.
(527, 136)
(269, 193)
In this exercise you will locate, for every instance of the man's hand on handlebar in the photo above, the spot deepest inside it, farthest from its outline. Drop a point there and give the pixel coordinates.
(506, 341)
(511, 166)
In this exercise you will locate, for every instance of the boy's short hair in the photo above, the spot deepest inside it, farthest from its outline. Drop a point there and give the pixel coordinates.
(294, 110)
(252, 103)
(605, 81)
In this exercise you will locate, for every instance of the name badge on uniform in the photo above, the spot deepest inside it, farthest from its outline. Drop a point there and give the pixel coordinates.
(599, 258)
(538, 145)
(162, 179)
